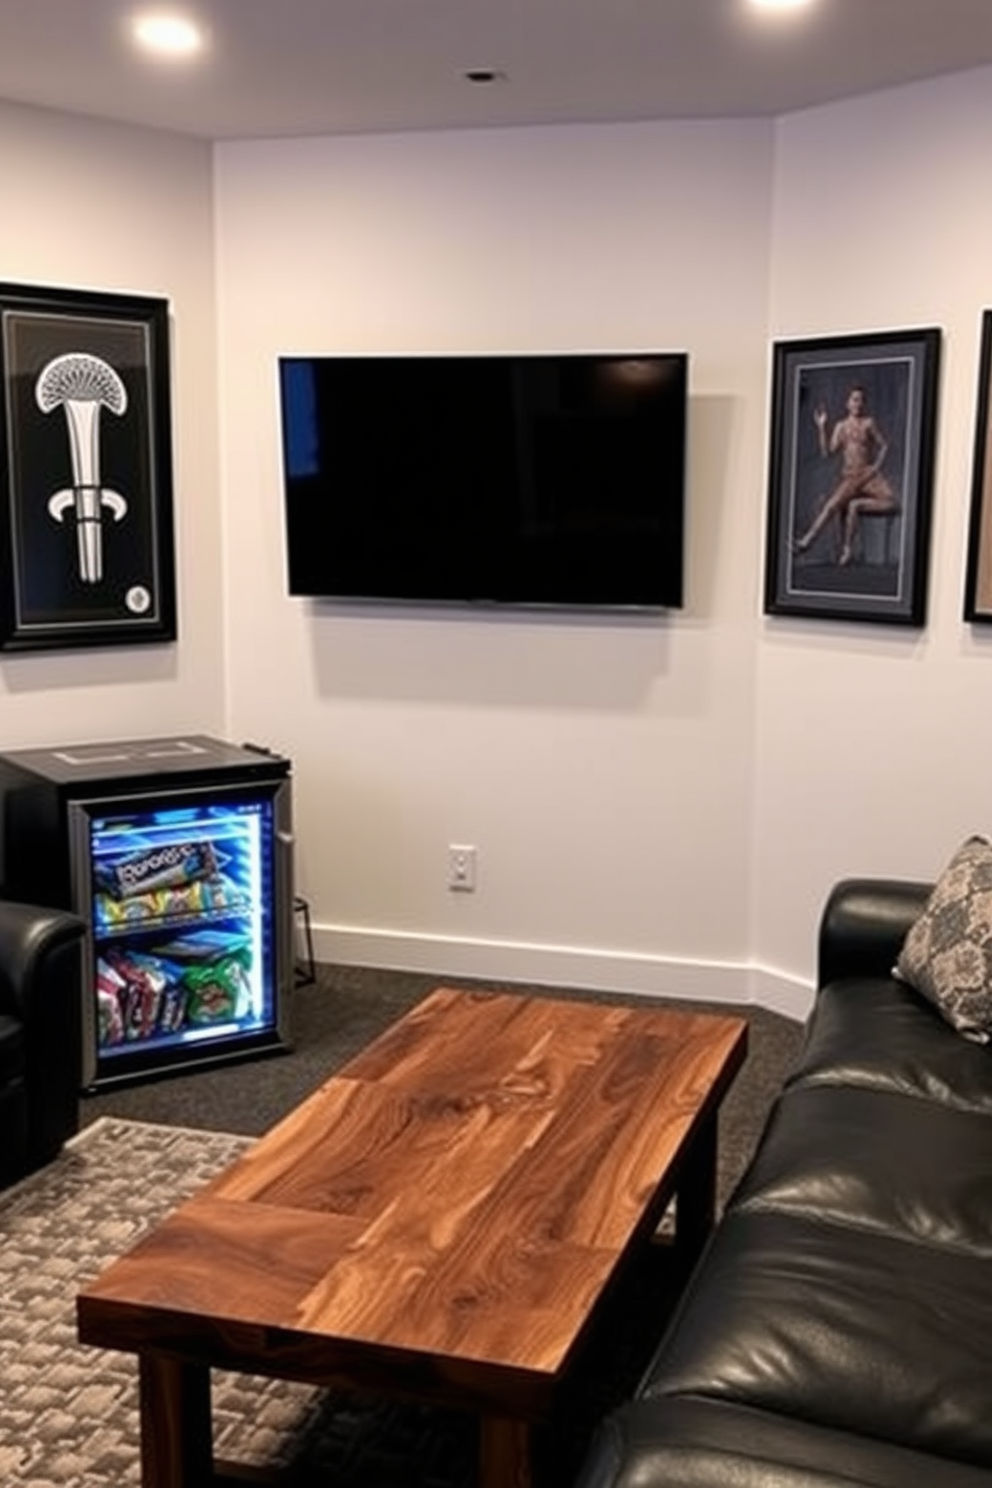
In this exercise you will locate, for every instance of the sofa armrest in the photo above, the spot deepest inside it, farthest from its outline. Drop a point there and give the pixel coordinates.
(33, 941)
(863, 925)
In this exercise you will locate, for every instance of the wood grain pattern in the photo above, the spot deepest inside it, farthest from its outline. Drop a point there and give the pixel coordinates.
(176, 1448)
(441, 1216)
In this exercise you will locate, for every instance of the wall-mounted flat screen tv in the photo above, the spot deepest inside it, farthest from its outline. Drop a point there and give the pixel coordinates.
(525, 480)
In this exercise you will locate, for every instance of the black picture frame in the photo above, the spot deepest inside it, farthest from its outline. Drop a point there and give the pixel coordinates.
(86, 506)
(978, 572)
(852, 543)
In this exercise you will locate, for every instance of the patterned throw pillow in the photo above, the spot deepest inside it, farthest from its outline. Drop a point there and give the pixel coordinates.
(947, 954)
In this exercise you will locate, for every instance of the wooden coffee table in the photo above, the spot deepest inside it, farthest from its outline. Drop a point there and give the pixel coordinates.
(439, 1220)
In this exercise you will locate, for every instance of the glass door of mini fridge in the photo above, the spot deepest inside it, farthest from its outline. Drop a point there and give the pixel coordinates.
(188, 896)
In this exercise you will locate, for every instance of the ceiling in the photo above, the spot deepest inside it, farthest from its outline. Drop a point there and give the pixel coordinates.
(301, 67)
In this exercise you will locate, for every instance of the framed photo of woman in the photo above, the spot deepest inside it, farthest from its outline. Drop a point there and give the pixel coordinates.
(978, 581)
(851, 476)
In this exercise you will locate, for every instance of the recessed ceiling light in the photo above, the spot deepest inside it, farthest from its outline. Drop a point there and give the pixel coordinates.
(779, 4)
(167, 33)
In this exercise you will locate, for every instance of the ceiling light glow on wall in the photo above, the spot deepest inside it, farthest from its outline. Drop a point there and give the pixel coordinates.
(167, 34)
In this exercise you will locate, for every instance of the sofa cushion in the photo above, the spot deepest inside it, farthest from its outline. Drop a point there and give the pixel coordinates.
(11, 1049)
(947, 954)
(909, 1168)
(881, 1034)
(689, 1442)
(846, 1328)
(13, 1130)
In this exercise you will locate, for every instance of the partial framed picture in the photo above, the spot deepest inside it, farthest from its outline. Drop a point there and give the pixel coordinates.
(978, 580)
(86, 526)
(851, 476)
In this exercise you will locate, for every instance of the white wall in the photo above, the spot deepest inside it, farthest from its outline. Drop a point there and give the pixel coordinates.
(604, 770)
(93, 206)
(657, 806)
(872, 749)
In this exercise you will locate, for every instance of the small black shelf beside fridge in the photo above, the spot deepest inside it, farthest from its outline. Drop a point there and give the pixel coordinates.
(179, 854)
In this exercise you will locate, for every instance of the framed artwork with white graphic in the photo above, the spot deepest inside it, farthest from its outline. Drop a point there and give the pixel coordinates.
(86, 518)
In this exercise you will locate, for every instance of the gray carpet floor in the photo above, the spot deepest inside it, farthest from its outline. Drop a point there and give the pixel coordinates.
(346, 1007)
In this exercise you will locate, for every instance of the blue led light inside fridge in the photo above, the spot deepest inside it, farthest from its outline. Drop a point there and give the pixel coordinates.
(182, 915)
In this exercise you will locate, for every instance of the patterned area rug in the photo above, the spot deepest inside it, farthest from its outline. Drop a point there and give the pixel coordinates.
(68, 1413)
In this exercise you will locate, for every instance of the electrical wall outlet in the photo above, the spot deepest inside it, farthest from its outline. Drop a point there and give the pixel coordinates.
(461, 868)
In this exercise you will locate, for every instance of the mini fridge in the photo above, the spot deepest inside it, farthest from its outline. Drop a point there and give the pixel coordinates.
(178, 853)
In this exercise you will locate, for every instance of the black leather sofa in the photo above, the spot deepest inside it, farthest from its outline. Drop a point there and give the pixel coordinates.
(837, 1330)
(41, 986)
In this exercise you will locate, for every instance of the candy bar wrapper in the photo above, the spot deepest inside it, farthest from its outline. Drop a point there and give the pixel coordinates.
(142, 1002)
(110, 1019)
(216, 992)
(142, 995)
(164, 978)
(163, 904)
(110, 988)
(107, 977)
(208, 945)
(173, 1010)
(163, 866)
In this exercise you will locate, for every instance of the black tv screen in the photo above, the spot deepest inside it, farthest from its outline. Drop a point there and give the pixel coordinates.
(530, 480)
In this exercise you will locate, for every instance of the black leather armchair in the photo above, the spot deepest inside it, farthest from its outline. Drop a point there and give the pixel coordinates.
(41, 989)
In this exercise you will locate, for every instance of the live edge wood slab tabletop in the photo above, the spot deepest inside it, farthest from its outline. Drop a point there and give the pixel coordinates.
(439, 1219)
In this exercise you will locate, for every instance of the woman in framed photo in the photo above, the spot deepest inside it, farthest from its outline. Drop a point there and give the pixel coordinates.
(862, 488)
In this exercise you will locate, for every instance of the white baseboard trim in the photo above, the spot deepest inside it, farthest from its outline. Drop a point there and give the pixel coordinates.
(583, 968)
(781, 993)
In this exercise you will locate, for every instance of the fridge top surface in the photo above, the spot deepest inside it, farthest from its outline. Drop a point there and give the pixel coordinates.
(146, 759)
